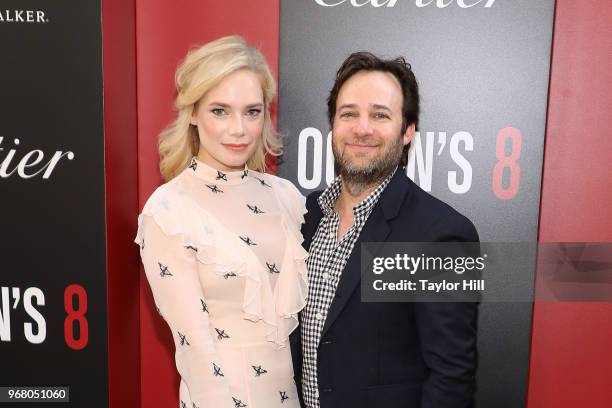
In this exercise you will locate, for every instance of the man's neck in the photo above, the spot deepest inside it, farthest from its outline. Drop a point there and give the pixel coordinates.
(351, 195)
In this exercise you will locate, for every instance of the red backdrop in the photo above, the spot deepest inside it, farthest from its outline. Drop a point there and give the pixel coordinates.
(119, 50)
(571, 357)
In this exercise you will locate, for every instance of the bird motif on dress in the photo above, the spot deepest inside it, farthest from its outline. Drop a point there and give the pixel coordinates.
(221, 176)
(238, 403)
(214, 188)
(283, 395)
(163, 270)
(183, 338)
(263, 182)
(221, 334)
(217, 371)
(255, 209)
(259, 371)
(272, 268)
(247, 241)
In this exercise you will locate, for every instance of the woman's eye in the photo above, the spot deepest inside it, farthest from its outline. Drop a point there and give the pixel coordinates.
(254, 112)
(218, 111)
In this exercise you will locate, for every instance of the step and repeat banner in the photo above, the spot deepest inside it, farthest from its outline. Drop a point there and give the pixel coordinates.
(483, 70)
(482, 67)
(53, 331)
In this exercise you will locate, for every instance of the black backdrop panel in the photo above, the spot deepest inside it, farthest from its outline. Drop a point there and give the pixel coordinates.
(52, 270)
(483, 70)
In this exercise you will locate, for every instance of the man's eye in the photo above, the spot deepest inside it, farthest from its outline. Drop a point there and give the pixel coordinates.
(218, 111)
(347, 114)
(254, 112)
(381, 115)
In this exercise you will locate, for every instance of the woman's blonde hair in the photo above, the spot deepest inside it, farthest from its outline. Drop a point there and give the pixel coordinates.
(203, 68)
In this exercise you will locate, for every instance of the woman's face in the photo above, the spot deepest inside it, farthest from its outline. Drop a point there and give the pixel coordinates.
(230, 119)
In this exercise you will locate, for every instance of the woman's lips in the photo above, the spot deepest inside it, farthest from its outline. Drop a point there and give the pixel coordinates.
(235, 147)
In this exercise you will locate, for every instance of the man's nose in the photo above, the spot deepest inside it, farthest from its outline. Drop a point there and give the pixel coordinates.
(363, 126)
(236, 127)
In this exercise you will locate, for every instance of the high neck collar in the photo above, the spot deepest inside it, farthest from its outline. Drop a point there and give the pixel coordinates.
(211, 175)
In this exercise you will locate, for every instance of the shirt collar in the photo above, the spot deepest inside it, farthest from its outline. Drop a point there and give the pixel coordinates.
(327, 199)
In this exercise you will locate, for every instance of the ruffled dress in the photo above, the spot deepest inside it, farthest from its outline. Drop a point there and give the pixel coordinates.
(223, 257)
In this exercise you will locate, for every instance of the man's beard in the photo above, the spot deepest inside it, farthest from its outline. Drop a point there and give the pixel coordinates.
(359, 178)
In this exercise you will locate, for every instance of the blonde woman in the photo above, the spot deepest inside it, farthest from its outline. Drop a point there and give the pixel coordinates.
(220, 241)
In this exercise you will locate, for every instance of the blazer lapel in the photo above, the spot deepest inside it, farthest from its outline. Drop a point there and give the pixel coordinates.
(311, 220)
(376, 229)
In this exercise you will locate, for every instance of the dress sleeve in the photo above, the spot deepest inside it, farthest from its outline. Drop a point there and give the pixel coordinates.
(293, 202)
(171, 269)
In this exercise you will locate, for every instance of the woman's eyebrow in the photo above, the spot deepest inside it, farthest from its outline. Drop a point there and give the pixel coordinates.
(223, 105)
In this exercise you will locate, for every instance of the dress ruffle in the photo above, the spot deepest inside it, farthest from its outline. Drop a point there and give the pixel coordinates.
(292, 288)
(176, 213)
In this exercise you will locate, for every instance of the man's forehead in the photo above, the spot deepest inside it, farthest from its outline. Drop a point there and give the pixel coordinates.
(371, 88)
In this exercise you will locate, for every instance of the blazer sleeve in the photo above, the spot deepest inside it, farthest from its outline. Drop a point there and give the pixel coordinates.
(172, 273)
(447, 334)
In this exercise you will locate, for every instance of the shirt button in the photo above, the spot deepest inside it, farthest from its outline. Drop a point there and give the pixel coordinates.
(326, 276)
(319, 316)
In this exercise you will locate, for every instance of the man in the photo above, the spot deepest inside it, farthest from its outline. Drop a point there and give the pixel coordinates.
(348, 353)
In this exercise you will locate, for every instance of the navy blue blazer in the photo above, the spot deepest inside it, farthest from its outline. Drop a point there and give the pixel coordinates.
(395, 354)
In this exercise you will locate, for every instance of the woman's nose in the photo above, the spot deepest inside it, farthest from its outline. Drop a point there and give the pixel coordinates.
(236, 125)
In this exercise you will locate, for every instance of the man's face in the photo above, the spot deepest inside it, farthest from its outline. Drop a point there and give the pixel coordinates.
(367, 142)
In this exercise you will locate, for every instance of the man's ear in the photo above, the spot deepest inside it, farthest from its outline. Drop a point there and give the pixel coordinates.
(409, 134)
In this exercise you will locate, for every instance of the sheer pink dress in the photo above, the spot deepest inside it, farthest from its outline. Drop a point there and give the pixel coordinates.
(222, 253)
